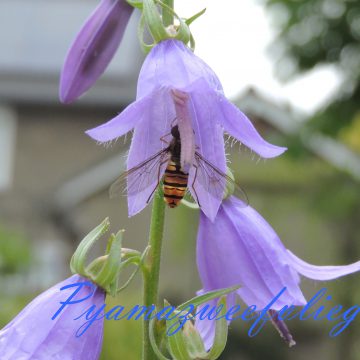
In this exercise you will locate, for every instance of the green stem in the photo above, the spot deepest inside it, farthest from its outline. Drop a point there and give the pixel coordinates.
(168, 17)
(151, 268)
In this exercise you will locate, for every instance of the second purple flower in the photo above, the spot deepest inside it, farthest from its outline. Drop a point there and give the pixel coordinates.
(241, 248)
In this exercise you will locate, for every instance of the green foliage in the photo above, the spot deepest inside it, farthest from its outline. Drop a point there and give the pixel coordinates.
(339, 114)
(313, 32)
(337, 201)
(122, 339)
(10, 306)
(15, 252)
(351, 134)
(319, 31)
(295, 147)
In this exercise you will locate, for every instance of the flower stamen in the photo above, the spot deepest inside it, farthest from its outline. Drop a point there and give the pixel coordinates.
(187, 136)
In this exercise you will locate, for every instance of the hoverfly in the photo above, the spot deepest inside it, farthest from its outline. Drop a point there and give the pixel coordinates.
(175, 181)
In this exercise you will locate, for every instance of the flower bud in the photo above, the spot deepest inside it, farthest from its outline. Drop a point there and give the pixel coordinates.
(93, 48)
(104, 270)
(184, 341)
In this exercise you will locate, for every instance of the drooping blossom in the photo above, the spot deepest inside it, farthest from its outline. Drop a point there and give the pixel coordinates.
(175, 86)
(241, 248)
(93, 48)
(46, 329)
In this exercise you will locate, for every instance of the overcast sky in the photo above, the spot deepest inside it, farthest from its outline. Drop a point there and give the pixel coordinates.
(233, 40)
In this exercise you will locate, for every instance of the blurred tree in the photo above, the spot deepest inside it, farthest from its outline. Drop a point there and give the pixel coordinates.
(313, 32)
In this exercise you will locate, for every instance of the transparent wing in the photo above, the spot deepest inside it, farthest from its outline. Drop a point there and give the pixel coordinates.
(214, 181)
(141, 176)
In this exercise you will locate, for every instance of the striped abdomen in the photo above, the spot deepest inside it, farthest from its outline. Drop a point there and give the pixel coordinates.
(175, 184)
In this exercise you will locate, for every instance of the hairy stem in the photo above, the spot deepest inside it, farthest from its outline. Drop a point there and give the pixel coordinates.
(151, 268)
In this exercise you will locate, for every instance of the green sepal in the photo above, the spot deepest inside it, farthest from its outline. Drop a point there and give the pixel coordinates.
(176, 342)
(221, 334)
(136, 259)
(108, 275)
(95, 266)
(141, 30)
(192, 42)
(194, 17)
(77, 262)
(200, 299)
(154, 336)
(182, 31)
(154, 21)
(130, 254)
(189, 204)
(194, 342)
(138, 4)
(230, 185)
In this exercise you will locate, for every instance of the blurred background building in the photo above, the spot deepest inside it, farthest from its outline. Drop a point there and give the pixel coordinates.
(54, 179)
(43, 143)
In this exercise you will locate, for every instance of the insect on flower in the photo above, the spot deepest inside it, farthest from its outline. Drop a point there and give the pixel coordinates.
(175, 180)
(175, 83)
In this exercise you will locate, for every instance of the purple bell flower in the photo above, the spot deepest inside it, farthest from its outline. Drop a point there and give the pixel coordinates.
(93, 48)
(241, 248)
(176, 86)
(44, 330)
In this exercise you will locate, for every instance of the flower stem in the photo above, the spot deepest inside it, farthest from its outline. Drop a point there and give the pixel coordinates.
(151, 267)
(168, 18)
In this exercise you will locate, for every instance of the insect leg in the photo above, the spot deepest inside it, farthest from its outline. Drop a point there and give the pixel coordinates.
(173, 122)
(163, 140)
(168, 134)
(193, 183)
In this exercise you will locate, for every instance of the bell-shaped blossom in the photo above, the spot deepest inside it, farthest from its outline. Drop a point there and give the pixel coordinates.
(93, 48)
(175, 86)
(241, 248)
(47, 327)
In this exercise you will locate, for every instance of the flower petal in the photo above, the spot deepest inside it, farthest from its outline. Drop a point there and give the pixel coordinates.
(205, 326)
(210, 145)
(155, 123)
(240, 127)
(33, 334)
(124, 122)
(240, 248)
(321, 272)
(171, 63)
(93, 48)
